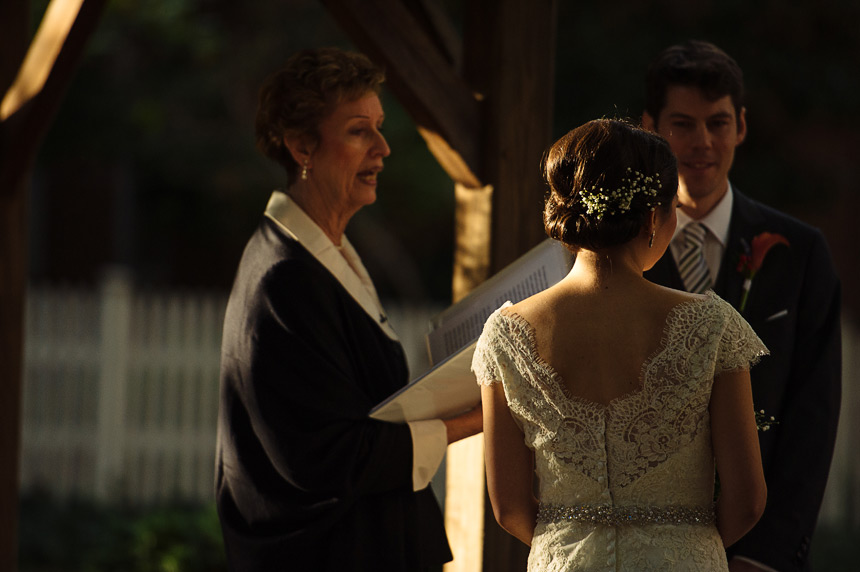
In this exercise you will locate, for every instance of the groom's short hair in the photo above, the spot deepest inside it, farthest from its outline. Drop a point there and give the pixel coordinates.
(694, 63)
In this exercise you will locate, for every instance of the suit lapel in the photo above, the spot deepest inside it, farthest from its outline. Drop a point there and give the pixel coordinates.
(745, 222)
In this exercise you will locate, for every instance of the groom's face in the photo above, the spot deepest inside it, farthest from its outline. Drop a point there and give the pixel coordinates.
(703, 134)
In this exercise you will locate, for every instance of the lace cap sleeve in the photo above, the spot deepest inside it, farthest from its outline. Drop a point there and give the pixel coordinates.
(740, 347)
(486, 363)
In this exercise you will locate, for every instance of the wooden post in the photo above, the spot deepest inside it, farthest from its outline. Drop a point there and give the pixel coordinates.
(509, 59)
(13, 270)
(474, 208)
(465, 479)
(31, 86)
(14, 24)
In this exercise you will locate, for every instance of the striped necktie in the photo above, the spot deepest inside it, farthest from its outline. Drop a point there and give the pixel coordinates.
(692, 267)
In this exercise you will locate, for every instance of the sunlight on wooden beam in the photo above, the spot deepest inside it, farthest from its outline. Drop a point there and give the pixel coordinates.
(465, 489)
(450, 160)
(40, 58)
(464, 504)
(472, 221)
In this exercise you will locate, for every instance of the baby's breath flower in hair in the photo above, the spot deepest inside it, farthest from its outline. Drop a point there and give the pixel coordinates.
(602, 202)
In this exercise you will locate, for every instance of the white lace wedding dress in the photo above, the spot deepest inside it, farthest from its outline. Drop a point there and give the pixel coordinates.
(629, 485)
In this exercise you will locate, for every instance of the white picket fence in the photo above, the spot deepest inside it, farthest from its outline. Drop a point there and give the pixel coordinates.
(121, 395)
(121, 390)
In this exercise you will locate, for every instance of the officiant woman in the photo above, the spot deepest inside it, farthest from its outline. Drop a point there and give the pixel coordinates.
(305, 480)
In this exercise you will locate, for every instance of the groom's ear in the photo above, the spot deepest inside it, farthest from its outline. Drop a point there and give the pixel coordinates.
(648, 122)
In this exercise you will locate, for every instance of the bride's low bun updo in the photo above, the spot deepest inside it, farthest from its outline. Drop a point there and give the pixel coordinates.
(605, 178)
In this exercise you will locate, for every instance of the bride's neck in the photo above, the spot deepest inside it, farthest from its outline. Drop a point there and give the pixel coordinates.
(606, 269)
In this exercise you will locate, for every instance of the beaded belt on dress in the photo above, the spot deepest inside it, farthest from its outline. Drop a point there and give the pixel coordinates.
(620, 515)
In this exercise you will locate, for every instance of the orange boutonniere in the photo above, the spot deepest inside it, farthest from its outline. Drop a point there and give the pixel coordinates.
(752, 258)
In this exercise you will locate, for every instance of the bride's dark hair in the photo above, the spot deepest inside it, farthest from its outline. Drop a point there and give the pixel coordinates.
(605, 178)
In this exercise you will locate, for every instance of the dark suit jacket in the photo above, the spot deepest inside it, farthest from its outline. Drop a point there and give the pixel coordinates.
(304, 479)
(794, 307)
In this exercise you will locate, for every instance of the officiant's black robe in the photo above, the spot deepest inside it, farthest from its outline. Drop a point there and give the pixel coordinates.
(794, 307)
(304, 479)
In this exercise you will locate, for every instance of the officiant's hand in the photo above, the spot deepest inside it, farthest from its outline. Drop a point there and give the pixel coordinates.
(465, 425)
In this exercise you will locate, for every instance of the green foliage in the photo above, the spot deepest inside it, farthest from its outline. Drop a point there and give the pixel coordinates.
(161, 111)
(177, 540)
(163, 108)
(80, 536)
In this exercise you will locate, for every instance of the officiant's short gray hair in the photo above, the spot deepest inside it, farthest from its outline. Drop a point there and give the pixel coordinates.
(296, 99)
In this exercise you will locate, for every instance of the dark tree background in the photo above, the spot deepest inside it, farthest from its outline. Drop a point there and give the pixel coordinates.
(151, 162)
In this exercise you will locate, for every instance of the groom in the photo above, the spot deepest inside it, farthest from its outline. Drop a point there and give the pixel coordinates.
(694, 98)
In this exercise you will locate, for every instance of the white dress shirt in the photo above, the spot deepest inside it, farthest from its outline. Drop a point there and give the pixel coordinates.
(717, 224)
(429, 438)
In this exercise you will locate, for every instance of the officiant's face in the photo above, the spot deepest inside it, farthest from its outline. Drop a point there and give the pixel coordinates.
(703, 135)
(348, 157)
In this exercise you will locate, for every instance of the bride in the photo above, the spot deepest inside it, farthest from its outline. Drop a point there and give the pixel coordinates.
(620, 395)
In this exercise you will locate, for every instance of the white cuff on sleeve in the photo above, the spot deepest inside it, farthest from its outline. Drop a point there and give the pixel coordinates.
(429, 443)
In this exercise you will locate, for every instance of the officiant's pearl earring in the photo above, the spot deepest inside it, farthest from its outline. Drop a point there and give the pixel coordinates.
(651, 240)
(305, 170)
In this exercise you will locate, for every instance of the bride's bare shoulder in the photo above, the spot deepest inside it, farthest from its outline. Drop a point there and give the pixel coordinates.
(535, 309)
(673, 297)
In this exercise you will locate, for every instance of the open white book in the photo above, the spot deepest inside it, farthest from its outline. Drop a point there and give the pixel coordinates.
(449, 387)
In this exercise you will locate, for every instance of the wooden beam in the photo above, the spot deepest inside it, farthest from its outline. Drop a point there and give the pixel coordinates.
(29, 105)
(519, 37)
(420, 77)
(41, 56)
(438, 26)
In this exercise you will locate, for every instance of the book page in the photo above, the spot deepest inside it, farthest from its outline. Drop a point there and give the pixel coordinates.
(462, 323)
(444, 391)
(450, 387)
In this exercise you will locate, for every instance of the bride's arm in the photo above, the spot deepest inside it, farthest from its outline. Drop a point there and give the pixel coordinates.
(510, 467)
(736, 449)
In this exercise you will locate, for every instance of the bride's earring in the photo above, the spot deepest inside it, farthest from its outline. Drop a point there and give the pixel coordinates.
(305, 170)
(651, 240)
